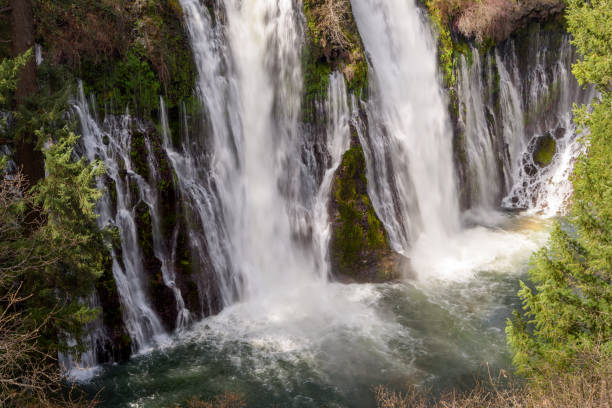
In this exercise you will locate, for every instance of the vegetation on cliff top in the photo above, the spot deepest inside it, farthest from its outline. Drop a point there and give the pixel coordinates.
(491, 19)
(127, 53)
(333, 43)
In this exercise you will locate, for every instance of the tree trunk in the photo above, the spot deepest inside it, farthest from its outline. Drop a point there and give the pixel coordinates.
(22, 37)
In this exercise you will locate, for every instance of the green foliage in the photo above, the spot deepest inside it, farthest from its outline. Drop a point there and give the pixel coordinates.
(567, 312)
(589, 23)
(375, 236)
(358, 84)
(446, 46)
(316, 80)
(126, 53)
(68, 192)
(9, 70)
(51, 247)
(67, 196)
(130, 82)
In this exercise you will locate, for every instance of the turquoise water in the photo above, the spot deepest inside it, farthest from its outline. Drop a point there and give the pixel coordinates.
(330, 347)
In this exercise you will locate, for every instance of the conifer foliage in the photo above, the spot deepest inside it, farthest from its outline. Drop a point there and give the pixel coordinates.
(569, 311)
(51, 254)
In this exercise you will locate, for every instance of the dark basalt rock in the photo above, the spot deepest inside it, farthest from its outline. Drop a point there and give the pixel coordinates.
(116, 345)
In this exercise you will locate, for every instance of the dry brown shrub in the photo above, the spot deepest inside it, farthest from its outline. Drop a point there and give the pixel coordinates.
(492, 19)
(489, 19)
(74, 30)
(328, 17)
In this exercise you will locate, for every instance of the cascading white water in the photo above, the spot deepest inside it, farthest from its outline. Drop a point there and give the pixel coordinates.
(477, 128)
(273, 209)
(501, 135)
(264, 41)
(112, 145)
(337, 142)
(165, 253)
(408, 148)
(253, 107)
(85, 365)
(240, 180)
(549, 95)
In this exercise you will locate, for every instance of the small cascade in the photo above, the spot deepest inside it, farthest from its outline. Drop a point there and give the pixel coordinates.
(515, 124)
(477, 127)
(337, 143)
(408, 145)
(164, 252)
(111, 142)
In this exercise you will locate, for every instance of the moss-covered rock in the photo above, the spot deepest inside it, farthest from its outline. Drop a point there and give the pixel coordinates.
(544, 151)
(360, 247)
(332, 44)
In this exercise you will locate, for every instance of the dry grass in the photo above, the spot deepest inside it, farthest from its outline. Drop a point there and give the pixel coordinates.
(587, 387)
(227, 400)
(328, 17)
(492, 19)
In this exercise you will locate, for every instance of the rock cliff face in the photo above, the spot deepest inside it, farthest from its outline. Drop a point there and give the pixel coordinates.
(360, 249)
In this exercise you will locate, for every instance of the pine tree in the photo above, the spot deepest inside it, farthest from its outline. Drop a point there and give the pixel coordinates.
(569, 312)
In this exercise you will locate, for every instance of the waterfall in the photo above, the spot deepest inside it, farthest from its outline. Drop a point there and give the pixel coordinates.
(252, 181)
(477, 124)
(337, 142)
(252, 107)
(112, 144)
(408, 146)
(509, 102)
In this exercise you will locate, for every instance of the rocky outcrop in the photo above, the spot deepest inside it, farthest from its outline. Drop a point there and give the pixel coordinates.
(200, 295)
(360, 249)
(117, 345)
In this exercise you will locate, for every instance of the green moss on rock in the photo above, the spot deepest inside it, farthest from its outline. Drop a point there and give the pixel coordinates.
(331, 47)
(360, 247)
(544, 151)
